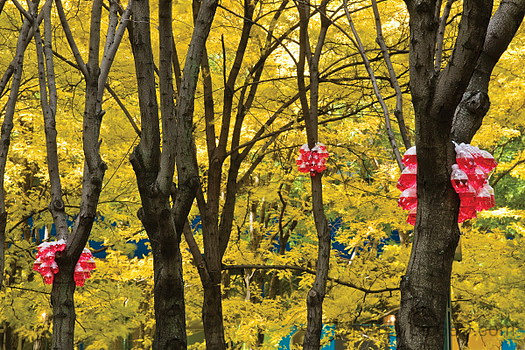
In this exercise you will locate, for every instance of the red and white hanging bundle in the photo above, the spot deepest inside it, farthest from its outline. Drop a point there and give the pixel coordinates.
(469, 178)
(312, 161)
(83, 268)
(46, 265)
(407, 185)
(45, 259)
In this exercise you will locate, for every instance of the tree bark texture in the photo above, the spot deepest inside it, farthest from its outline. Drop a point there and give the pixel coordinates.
(170, 330)
(435, 95)
(212, 312)
(154, 170)
(310, 107)
(76, 238)
(475, 102)
(62, 301)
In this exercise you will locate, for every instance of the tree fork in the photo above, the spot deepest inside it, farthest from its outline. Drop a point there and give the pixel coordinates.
(426, 286)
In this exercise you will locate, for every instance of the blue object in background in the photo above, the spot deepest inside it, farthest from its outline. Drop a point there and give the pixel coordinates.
(284, 344)
(142, 248)
(327, 331)
(508, 345)
(392, 338)
(94, 246)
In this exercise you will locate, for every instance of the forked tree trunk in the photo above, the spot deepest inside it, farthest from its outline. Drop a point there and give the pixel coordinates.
(154, 169)
(425, 286)
(435, 95)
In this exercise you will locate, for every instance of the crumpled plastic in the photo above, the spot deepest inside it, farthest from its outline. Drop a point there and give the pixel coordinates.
(312, 161)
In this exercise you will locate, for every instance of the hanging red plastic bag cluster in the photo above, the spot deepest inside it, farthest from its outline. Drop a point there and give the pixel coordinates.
(312, 161)
(407, 185)
(46, 265)
(45, 259)
(469, 178)
(83, 268)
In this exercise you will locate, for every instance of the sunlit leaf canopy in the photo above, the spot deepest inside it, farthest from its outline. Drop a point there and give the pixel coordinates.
(371, 238)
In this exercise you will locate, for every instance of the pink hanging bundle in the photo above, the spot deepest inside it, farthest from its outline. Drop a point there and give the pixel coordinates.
(459, 179)
(312, 161)
(46, 265)
(83, 268)
(468, 177)
(408, 198)
(410, 158)
(486, 161)
(411, 219)
(407, 179)
(485, 198)
(45, 259)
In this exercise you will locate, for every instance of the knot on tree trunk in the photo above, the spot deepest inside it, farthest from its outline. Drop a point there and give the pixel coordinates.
(476, 102)
(96, 180)
(469, 115)
(314, 297)
(57, 204)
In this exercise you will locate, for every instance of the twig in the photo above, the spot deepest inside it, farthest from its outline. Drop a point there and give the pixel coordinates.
(506, 172)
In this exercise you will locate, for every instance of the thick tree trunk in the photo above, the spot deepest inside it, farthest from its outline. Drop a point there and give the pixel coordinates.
(170, 330)
(425, 287)
(63, 306)
(435, 95)
(212, 313)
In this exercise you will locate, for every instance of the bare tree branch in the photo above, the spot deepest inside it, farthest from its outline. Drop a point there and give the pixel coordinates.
(309, 271)
(398, 111)
(46, 79)
(69, 36)
(506, 172)
(441, 35)
(386, 113)
(111, 52)
(112, 92)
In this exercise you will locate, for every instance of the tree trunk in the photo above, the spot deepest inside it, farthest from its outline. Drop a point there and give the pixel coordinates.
(317, 293)
(315, 298)
(435, 96)
(425, 287)
(170, 320)
(212, 313)
(63, 306)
